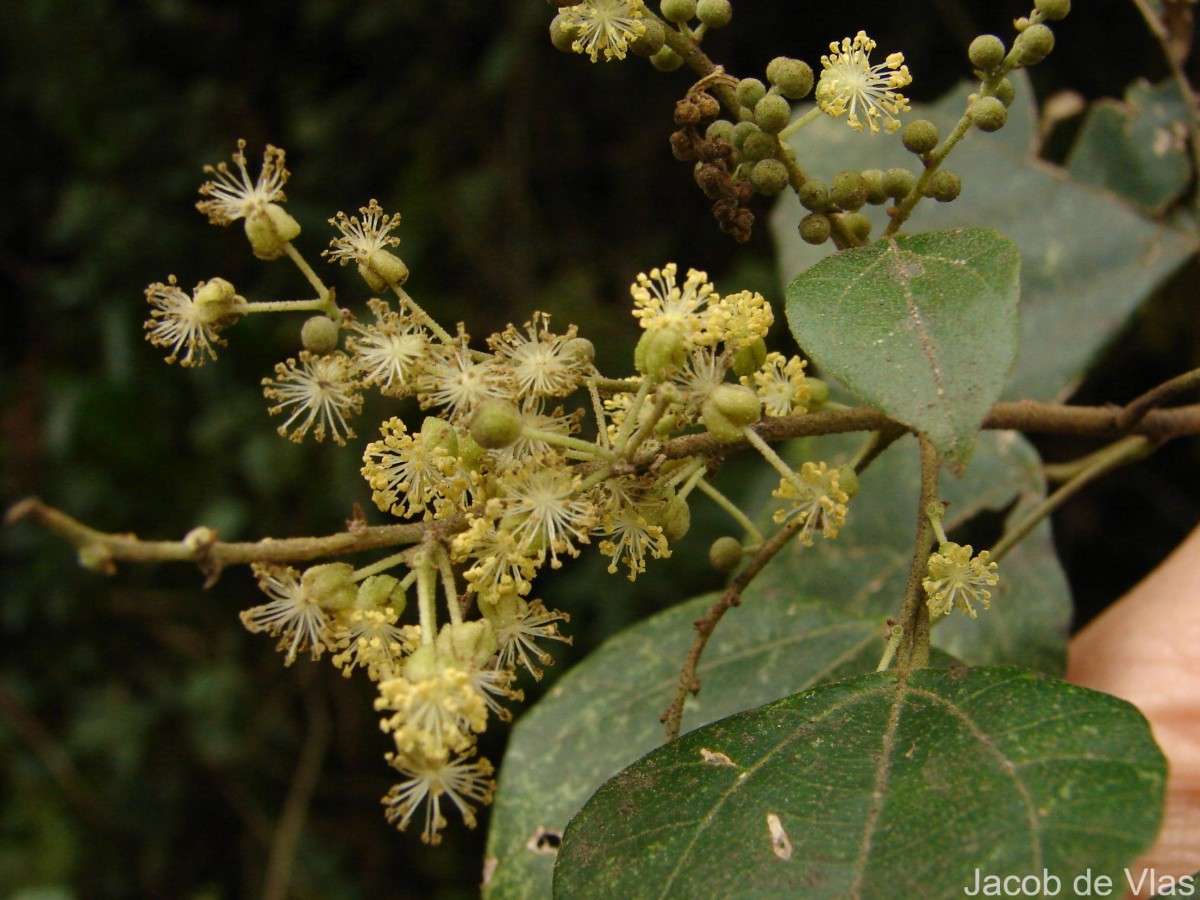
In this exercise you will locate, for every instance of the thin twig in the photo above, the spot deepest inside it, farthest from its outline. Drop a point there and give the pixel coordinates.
(913, 652)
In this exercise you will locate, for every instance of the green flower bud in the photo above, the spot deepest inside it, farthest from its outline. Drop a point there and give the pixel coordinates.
(986, 52)
(944, 186)
(378, 591)
(749, 91)
(725, 553)
(873, 179)
(562, 36)
(1034, 44)
(721, 130)
(759, 145)
(332, 585)
(580, 349)
(714, 13)
(898, 182)
(666, 60)
(772, 113)
(1006, 92)
(659, 352)
(919, 136)
(269, 231)
(988, 114)
(814, 195)
(676, 519)
(742, 132)
(815, 228)
(495, 424)
(793, 77)
(1053, 9)
(437, 432)
(678, 11)
(857, 224)
(423, 663)
(848, 190)
(749, 358)
(769, 177)
(319, 335)
(383, 270)
(728, 409)
(649, 41)
(818, 392)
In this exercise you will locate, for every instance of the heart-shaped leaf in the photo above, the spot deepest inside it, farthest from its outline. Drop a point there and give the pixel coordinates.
(923, 328)
(878, 787)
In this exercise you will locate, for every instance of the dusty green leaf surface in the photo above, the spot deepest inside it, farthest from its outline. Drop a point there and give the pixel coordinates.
(923, 328)
(1088, 259)
(864, 570)
(1137, 148)
(871, 787)
(604, 713)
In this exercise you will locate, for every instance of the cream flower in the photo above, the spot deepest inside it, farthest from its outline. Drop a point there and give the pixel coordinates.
(956, 578)
(603, 27)
(851, 86)
(319, 391)
(234, 196)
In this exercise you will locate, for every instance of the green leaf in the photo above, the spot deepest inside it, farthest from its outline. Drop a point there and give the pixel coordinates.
(604, 713)
(1088, 260)
(864, 570)
(873, 787)
(923, 328)
(1137, 148)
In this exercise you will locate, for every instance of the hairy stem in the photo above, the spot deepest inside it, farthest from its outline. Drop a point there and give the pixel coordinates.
(913, 650)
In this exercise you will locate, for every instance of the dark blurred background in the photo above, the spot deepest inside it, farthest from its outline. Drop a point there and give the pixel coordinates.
(148, 745)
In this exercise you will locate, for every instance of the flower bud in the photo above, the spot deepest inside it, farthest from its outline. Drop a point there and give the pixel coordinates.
(769, 177)
(848, 190)
(815, 229)
(471, 643)
(758, 146)
(214, 300)
(857, 224)
(1053, 9)
(496, 424)
(818, 393)
(742, 132)
(919, 136)
(848, 480)
(986, 52)
(725, 553)
(793, 77)
(714, 13)
(988, 114)
(722, 130)
(562, 35)
(749, 358)
(898, 182)
(378, 591)
(1006, 92)
(319, 335)
(676, 519)
(814, 195)
(772, 113)
(649, 41)
(659, 352)
(437, 432)
(580, 349)
(728, 409)
(678, 11)
(1034, 44)
(423, 663)
(383, 270)
(666, 60)
(269, 230)
(873, 179)
(749, 91)
(944, 186)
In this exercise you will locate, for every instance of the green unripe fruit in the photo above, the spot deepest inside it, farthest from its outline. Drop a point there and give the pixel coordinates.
(818, 392)
(496, 424)
(988, 114)
(720, 130)
(332, 585)
(759, 145)
(749, 358)
(1006, 92)
(1053, 9)
(659, 352)
(678, 11)
(378, 591)
(814, 195)
(919, 136)
(725, 553)
(873, 179)
(848, 190)
(749, 91)
(666, 60)
(986, 52)
(269, 231)
(649, 41)
(848, 480)
(319, 335)
(714, 13)
(562, 36)
(676, 519)
(898, 182)
(742, 132)
(793, 77)
(857, 224)
(1034, 44)
(815, 228)
(769, 177)
(772, 113)
(944, 186)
